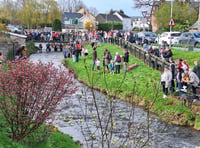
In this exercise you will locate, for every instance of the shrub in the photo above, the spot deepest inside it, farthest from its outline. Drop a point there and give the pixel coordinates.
(56, 25)
(30, 48)
(108, 26)
(30, 94)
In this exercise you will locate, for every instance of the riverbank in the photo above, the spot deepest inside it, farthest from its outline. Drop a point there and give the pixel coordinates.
(140, 86)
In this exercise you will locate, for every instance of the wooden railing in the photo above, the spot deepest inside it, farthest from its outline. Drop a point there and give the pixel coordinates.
(148, 59)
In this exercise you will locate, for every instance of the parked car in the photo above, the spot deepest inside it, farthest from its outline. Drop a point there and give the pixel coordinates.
(149, 36)
(192, 38)
(132, 37)
(13, 29)
(168, 37)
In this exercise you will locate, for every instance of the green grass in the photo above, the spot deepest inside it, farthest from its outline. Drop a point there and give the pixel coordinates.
(145, 78)
(56, 140)
(189, 56)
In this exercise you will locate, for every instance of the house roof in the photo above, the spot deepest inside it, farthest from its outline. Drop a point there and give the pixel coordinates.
(103, 17)
(72, 15)
(122, 14)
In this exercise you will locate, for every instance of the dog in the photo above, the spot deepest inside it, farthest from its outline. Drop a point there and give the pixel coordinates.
(187, 100)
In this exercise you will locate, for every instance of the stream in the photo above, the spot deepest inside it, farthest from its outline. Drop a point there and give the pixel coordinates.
(79, 120)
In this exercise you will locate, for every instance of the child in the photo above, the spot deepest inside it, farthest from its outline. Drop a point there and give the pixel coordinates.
(111, 67)
(98, 64)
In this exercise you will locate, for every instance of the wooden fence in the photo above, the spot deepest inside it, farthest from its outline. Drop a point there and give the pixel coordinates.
(148, 59)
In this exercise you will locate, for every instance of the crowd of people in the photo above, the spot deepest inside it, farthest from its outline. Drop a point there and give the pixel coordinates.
(176, 76)
(179, 77)
(109, 63)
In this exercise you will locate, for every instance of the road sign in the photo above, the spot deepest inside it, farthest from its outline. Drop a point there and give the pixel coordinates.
(171, 22)
(144, 20)
(75, 21)
(144, 13)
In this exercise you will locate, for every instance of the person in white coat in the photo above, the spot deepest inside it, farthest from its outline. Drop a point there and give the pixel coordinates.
(166, 79)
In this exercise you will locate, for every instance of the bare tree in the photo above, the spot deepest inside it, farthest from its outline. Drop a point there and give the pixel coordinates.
(93, 11)
(71, 5)
(143, 3)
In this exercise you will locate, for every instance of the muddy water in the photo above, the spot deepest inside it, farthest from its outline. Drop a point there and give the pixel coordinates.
(79, 120)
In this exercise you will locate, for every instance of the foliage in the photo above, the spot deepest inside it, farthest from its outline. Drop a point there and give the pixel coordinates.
(197, 125)
(89, 26)
(56, 139)
(189, 56)
(30, 94)
(2, 27)
(56, 25)
(35, 13)
(145, 77)
(184, 16)
(109, 26)
(8, 12)
(30, 48)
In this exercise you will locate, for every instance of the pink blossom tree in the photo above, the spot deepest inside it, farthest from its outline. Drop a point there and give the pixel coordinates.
(30, 93)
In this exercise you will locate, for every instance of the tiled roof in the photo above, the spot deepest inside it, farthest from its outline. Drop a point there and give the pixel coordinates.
(109, 17)
(123, 15)
(72, 15)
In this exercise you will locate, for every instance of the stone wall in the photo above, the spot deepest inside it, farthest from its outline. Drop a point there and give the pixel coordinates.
(4, 47)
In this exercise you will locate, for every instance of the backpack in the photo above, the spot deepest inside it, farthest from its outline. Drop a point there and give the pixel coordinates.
(78, 46)
(118, 60)
(109, 56)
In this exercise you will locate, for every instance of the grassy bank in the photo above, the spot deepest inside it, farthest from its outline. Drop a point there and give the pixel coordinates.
(141, 85)
(190, 56)
(56, 140)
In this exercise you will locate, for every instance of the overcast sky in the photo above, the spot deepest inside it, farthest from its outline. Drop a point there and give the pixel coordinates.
(104, 6)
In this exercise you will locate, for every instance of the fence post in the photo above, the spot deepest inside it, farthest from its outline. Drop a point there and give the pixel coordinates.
(163, 66)
(149, 60)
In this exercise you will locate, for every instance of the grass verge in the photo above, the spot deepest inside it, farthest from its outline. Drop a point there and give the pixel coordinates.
(140, 86)
(189, 56)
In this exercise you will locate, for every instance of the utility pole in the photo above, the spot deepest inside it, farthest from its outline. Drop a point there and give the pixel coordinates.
(171, 26)
(199, 18)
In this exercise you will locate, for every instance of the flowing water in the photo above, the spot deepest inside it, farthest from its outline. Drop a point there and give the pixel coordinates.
(79, 120)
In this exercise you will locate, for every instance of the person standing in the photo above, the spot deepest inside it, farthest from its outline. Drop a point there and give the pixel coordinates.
(196, 68)
(167, 53)
(173, 69)
(166, 79)
(193, 79)
(112, 67)
(106, 57)
(117, 63)
(179, 72)
(94, 57)
(126, 59)
(98, 63)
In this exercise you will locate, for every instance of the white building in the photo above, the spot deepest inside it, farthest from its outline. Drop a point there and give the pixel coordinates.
(140, 22)
(126, 20)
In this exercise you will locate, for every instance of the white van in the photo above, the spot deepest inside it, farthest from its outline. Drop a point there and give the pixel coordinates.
(168, 37)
